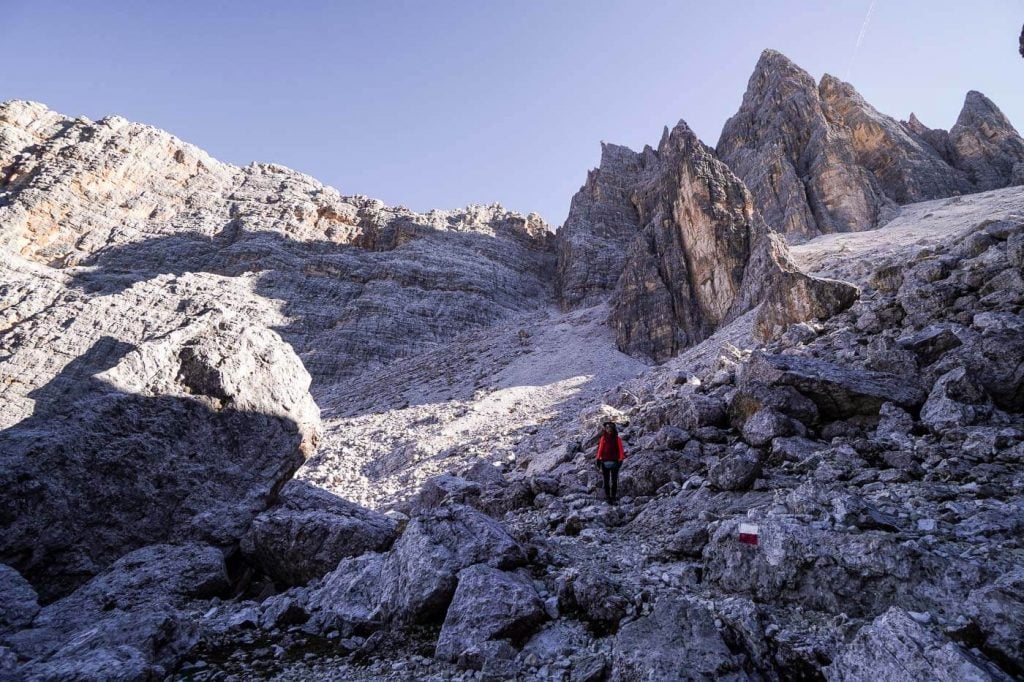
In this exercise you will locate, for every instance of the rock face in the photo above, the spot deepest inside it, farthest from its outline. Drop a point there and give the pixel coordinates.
(819, 159)
(696, 253)
(602, 222)
(907, 167)
(185, 437)
(986, 145)
(799, 165)
(356, 282)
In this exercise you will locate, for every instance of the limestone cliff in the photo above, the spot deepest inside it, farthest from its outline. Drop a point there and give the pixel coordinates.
(675, 232)
(819, 159)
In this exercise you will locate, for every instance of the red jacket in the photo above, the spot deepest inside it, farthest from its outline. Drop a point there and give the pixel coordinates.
(607, 451)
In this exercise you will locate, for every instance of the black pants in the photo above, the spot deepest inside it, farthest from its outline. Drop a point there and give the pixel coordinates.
(611, 480)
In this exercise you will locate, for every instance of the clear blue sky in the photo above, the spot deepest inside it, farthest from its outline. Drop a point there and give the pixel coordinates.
(440, 104)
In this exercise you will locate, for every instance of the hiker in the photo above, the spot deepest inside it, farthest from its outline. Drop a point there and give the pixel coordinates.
(610, 455)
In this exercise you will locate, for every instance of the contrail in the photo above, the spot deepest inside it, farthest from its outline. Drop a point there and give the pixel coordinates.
(860, 38)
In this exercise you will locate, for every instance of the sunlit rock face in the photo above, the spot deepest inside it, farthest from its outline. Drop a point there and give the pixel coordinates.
(106, 205)
(819, 159)
(800, 167)
(678, 234)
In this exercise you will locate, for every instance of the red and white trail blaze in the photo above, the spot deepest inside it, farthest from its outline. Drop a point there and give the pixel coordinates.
(748, 533)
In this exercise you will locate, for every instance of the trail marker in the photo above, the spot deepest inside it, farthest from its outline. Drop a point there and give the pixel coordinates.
(748, 533)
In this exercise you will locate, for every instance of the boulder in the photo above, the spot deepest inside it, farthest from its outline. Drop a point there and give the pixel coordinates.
(489, 604)
(348, 599)
(185, 437)
(446, 488)
(752, 396)
(768, 424)
(896, 647)
(310, 531)
(597, 598)
(957, 400)
(132, 617)
(678, 640)
(419, 575)
(643, 472)
(736, 471)
(930, 343)
(837, 391)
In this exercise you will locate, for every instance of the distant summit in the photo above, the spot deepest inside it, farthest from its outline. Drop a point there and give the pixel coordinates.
(820, 159)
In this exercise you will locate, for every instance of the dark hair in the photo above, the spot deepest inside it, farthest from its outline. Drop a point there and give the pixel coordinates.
(615, 430)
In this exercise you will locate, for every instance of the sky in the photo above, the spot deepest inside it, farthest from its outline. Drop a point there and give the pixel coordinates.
(447, 103)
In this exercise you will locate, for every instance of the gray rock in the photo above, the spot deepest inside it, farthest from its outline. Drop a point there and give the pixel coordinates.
(690, 540)
(837, 391)
(131, 617)
(488, 604)
(598, 598)
(19, 603)
(419, 575)
(311, 530)
(677, 641)
(446, 488)
(998, 610)
(800, 166)
(736, 471)
(751, 397)
(645, 472)
(767, 424)
(895, 647)
(182, 438)
(986, 146)
(930, 343)
(349, 598)
(957, 400)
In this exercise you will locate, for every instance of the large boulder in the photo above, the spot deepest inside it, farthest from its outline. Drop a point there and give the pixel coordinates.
(128, 622)
(348, 599)
(489, 604)
(186, 437)
(311, 530)
(837, 391)
(895, 647)
(957, 400)
(678, 640)
(420, 574)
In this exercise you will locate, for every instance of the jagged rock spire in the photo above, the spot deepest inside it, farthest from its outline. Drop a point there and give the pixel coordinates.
(800, 167)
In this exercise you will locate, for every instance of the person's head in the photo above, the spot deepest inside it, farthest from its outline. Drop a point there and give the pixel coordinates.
(610, 429)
